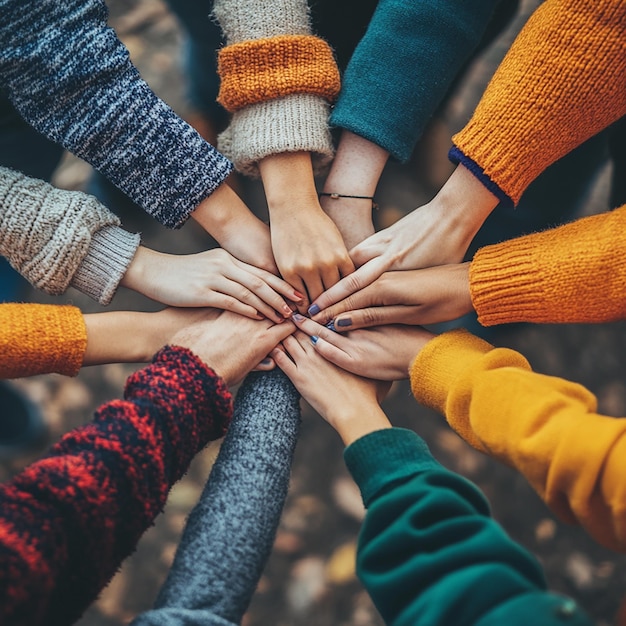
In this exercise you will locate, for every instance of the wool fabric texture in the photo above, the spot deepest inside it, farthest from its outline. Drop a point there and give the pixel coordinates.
(56, 238)
(296, 122)
(571, 274)
(40, 339)
(264, 69)
(561, 82)
(68, 520)
(71, 78)
(429, 551)
(545, 427)
(403, 67)
(229, 534)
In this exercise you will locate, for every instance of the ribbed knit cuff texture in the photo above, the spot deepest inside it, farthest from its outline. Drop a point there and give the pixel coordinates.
(110, 252)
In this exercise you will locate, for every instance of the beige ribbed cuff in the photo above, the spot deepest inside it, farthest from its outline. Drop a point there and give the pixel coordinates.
(110, 252)
(297, 123)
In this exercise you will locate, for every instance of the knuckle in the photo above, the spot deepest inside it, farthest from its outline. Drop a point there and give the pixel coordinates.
(371, 316)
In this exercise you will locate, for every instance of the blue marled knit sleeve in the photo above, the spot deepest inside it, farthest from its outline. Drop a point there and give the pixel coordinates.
(403, 67)
(71, 78)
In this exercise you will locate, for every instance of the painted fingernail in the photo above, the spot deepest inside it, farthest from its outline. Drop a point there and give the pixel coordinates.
(344, 321)
(297, 317)
(266, 361)
(298, 295)
(314, 339)
(331, 326)
(314, 309)
(287, 310)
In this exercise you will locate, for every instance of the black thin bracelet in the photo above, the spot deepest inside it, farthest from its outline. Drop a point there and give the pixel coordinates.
(336, 196)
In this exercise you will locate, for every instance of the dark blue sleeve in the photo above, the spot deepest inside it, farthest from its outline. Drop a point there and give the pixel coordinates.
(70, 77)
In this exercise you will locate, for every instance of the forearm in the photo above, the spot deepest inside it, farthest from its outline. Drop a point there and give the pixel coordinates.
(407, 541)
(99, 106)
(545, 427)
(560, 83)
(107, 480)
(356, 170)
(574, 273)
(41, 339)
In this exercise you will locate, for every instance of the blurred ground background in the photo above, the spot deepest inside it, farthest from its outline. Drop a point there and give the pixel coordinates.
(310, 580)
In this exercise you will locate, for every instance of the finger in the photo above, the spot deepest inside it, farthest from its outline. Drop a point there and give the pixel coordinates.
(335, 355)
(228, 303)
(294, 348)
(366, 297)
(346, 267)
(237, 289)
(313, 329)
(330, 277)
(266, 365)
(283, 361)
(376, 316)
(277, 284)
(260, 288)
(313, 283)
(359, 279)
(299, 286)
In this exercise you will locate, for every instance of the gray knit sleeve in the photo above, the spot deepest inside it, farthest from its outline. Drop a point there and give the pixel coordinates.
(297, 122)
(230, 533)
(57, 238)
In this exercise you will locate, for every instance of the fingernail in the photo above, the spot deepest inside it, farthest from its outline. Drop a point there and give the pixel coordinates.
(314, 309)
(287, 310)
(314, 339)
(298, 295)
(266, 361)
(331, 326)
(344, 321)
(297, 317)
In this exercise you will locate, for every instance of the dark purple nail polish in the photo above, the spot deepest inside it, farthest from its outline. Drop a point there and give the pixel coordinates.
(297, 317)
(314, 309)
(343, 322)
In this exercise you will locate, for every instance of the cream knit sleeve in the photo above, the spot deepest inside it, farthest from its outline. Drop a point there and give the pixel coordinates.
(276, 123)
(56, 238)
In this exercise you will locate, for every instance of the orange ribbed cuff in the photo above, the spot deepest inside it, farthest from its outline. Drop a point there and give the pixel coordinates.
(40, 339)
(264, 69)
(561, 82)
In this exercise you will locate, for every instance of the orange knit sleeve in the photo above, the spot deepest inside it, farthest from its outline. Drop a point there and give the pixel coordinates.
(40, 339)
(264, 69)
(573, 273)
(561, 82)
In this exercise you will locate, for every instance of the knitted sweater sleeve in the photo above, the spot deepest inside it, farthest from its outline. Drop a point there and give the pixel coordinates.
(403, 67)
(276, 79)
(230, 533)
(68, 520)
(561, 82)
(71, 78)
(545, 427)
(574, 273)
(429, 551)
(56, 238)
(41, 339)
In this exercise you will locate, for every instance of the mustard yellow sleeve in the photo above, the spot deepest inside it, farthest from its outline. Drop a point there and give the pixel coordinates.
(545, 427)
(41, 339)
(561, 82)
(574, 273)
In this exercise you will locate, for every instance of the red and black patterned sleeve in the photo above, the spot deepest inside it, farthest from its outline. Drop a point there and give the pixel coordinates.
(68, 520)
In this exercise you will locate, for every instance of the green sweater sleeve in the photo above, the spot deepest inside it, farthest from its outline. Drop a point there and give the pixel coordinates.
(430, 552)
(403, 67)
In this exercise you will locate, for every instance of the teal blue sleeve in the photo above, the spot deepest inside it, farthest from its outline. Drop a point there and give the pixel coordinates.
(430, 552)
(403, 67)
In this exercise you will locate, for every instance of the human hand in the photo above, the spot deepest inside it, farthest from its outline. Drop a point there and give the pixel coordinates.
(349, 403)
(384, 352)
(232, 344)
(309, 251)
(213, 278)
(414, 297)
(437, 233)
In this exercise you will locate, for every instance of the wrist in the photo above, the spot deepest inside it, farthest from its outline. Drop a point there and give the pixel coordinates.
(218, 212)
(356, 422)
